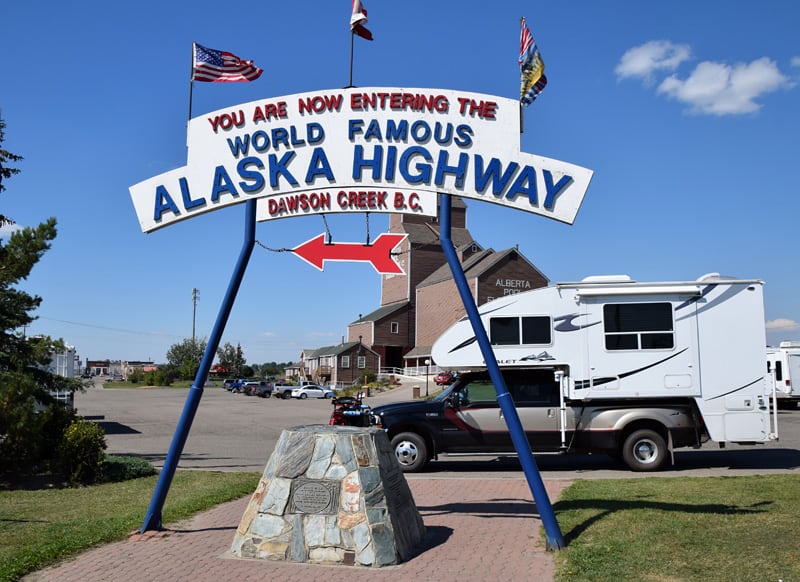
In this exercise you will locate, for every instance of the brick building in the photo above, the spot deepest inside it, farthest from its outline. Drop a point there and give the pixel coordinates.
(339, 365)
(418, 306)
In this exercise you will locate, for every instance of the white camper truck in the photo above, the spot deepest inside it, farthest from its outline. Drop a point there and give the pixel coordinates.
(637, 369)
(784, 364)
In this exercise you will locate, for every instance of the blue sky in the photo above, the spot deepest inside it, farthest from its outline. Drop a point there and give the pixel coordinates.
(686, 111)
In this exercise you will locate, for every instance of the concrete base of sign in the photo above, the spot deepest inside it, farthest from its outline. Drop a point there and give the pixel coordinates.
(331, 495)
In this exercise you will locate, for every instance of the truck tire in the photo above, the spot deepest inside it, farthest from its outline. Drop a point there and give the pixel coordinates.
(411, 451)
(644, 450)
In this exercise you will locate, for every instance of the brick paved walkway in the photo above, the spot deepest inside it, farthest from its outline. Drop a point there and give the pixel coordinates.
(476, 529)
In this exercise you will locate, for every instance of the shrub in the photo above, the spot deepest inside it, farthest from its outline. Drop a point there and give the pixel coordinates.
(31, 424)
(122, 468)
(135, 376)
(81, 452)
(160, 377)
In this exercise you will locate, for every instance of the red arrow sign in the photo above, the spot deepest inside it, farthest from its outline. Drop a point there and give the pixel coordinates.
(315, 252)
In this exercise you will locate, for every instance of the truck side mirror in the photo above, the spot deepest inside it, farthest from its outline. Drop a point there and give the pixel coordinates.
(454, 400)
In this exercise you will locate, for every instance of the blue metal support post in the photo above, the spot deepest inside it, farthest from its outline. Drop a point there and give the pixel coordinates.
(152, 520)
(555, 540)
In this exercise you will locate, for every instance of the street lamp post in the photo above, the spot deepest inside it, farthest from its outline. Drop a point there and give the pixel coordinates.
(195, 296)
(427, 364)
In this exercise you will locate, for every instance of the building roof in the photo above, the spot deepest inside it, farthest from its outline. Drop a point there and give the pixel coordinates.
(475, 266)
(443, 273)
(381, 312)
(461, 248)
(336, 350)
(418, 352)
(428, 234)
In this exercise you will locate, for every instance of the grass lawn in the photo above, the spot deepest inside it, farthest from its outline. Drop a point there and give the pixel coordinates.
(40, 527)
(718, 528)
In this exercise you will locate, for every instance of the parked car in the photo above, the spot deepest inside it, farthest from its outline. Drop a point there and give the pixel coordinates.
(236, 386)
(311, 391)
(228, 383)
(444, 378)
(257, 388)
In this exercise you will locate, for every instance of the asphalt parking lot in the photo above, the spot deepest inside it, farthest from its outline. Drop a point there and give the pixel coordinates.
(233, 432)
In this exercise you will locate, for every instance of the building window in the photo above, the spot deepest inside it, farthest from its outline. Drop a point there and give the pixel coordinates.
(638, 326)
(515, 331)
(345, 361)
(394, 327)
(362, 362)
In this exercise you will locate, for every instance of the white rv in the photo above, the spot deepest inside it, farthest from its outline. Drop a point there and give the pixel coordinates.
(784, 364)
(636, 356)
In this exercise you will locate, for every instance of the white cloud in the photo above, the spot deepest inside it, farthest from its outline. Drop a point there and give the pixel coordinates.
(642, 61)
(782, 324)
(712, 88)
(720, 89)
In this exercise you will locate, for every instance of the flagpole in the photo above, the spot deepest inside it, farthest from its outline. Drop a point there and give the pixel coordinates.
(191, 89)
(521, 107)
(352, 36)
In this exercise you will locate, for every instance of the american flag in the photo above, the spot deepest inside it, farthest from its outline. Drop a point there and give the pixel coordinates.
(358, 20)
(531, 67)
(221, 67)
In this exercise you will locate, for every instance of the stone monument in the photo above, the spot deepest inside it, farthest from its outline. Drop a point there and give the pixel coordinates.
(331, 495)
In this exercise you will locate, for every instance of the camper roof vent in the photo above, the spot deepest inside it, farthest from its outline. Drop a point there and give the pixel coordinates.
(712, 277)
(607, 279)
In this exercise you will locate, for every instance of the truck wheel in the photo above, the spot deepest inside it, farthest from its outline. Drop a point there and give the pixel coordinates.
(644, 450)
(411, 451)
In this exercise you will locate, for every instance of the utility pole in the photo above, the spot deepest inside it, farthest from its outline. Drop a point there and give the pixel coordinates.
(195, 297)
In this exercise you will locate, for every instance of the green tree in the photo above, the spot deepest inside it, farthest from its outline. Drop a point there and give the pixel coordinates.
(185, 356)
(273, 369)
(5, 171)
(232, 358)
(31, 421)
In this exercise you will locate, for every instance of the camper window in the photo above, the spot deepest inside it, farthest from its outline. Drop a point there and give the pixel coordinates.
(778, 371)
(514, 331)
(638, 326)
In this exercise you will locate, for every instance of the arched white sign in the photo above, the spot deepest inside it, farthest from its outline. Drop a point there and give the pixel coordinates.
(372, 149)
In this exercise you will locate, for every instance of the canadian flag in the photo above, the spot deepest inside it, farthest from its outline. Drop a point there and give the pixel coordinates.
(359, 19)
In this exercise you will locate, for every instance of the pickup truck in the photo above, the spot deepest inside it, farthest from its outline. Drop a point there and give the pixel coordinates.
(466, 419)
(285, 390)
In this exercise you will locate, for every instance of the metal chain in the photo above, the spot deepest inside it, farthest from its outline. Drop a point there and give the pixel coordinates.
(266, 248)
(328, 236)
